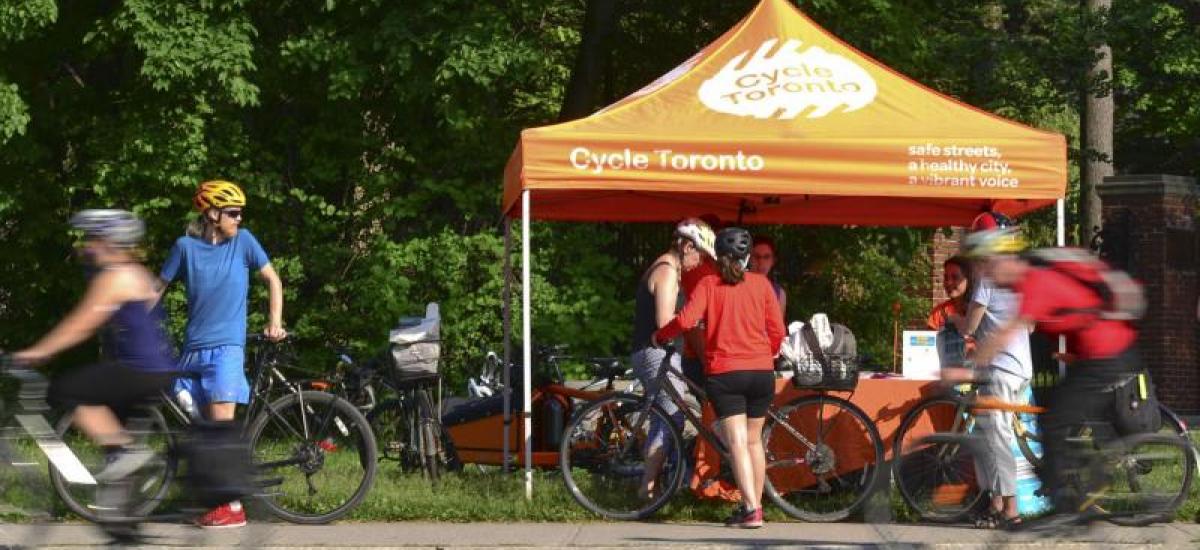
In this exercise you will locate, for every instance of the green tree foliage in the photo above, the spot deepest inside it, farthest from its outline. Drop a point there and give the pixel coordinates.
(371, 137)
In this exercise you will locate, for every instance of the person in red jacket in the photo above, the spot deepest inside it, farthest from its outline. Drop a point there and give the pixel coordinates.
(743, 333)
(1057, 303)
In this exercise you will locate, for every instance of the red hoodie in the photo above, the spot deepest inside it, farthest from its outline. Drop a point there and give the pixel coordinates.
(743, 323)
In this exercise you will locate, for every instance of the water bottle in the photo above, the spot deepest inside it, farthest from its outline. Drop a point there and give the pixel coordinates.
(553, 416)
(185, 400)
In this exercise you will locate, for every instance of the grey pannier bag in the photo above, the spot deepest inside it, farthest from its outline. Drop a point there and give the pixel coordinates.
(416, 344)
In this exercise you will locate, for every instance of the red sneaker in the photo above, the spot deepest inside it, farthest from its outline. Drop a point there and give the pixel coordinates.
(222, 517)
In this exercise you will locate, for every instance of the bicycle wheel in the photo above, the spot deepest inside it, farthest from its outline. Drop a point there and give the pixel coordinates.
(319, 454)
(431, 436)
(153, 481)
(602, 458)
(1149, 478)
(823, 459)
(919, 468)
(1029, 441)
(392, 422)
(944, 485)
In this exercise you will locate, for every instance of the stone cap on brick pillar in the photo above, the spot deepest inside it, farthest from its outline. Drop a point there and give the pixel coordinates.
(1146, 184)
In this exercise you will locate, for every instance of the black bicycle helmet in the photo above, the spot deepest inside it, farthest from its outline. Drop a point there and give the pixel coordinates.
(734, 242)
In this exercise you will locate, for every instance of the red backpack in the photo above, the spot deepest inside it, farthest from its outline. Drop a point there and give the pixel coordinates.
(1123, 298)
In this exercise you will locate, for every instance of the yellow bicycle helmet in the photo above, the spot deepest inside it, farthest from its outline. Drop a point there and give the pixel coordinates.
(994, 242)
(218, 194)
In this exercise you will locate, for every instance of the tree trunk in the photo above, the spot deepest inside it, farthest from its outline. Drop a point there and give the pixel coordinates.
(1096, 134)
(595, 47)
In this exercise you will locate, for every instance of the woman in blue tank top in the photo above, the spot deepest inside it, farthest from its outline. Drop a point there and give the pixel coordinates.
(121, 305)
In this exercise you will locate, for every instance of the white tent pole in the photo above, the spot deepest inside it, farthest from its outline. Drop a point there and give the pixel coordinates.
(526, 346)
(1061, 240)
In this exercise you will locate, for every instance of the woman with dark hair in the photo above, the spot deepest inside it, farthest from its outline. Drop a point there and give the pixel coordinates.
(743, 331)
(952, 346)
(762, 260)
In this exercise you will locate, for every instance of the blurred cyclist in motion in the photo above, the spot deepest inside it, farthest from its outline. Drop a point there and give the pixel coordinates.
(120, 304)
(1062, 292)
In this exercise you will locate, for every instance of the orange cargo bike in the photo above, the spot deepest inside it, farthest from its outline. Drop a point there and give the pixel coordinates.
(475, 426)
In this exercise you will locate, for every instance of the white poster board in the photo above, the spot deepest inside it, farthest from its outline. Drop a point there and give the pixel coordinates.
(920, 356)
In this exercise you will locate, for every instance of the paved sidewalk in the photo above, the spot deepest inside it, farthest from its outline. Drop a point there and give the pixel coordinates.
(611, 535)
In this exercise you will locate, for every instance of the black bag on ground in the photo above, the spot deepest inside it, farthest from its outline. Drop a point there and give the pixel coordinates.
(1136, 406)
(217, 462)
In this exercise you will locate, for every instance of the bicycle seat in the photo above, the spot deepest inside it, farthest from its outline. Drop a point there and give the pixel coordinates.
(607, 367)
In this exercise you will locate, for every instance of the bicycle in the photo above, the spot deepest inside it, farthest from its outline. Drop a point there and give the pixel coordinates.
(309, 442)
(1121, 479)
(951, 412)
(406, 425)
(819, 467)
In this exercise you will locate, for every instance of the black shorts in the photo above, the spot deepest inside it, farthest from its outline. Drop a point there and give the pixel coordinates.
(747, 392)
(111, 384)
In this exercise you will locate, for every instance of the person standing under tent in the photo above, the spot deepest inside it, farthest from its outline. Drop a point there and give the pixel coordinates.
(992, 307)
(655, 303)
(692, 353)
(953, 347)
(213, 260)
(743, 333)
(762, 261)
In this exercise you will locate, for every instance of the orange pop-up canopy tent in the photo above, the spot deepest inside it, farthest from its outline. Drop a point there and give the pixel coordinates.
(778, 121)
(781, 122)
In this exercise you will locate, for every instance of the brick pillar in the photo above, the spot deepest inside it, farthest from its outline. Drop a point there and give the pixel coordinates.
(944, 244)
(1155, 235)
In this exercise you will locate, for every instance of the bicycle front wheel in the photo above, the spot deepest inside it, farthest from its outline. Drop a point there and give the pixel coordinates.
(823, 458)
(604, 463)
(1150, 477)
(920, 467)
(318, 453)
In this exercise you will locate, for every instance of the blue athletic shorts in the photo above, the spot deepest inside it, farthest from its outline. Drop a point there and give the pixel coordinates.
(222, 375)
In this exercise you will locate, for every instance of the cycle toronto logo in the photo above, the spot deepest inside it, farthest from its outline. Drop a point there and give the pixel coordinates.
(785, 82)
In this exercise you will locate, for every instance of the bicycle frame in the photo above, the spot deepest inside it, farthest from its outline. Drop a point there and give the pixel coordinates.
(662, 384)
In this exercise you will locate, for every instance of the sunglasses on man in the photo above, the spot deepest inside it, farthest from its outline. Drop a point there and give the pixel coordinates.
(235, 213)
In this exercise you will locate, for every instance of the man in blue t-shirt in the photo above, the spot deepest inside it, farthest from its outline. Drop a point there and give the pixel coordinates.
(214, 261)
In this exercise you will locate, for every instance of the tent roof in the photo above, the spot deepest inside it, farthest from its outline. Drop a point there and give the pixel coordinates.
(778, 121)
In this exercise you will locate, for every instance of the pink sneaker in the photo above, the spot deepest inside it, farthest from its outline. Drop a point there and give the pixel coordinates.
(223, 517)
(745, 519)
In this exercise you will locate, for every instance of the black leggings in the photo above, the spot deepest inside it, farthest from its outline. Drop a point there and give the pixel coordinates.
(111, 384)
(1084, 396)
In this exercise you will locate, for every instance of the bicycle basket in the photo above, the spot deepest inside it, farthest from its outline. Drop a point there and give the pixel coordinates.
(840, 375)
(416, 344)
(417, 358)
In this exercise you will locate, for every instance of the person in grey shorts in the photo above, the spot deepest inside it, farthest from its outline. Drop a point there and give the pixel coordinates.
(990, 309)
(654, 306)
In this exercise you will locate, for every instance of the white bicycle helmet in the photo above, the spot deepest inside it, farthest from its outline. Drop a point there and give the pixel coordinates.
(117, 227)
(701, 235)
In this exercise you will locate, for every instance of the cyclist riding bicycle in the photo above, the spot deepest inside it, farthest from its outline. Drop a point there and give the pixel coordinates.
(1056, 303)
(214, 260)
(120, 303)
